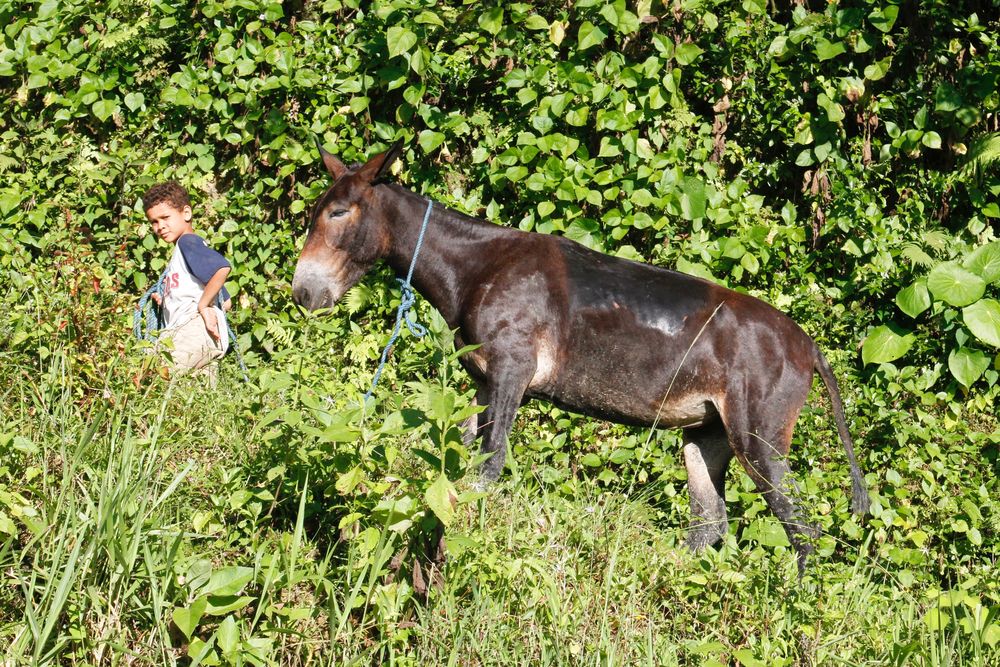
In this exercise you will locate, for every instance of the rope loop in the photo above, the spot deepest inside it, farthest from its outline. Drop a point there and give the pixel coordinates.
(407, 302)
(403, 314)
(150, 312)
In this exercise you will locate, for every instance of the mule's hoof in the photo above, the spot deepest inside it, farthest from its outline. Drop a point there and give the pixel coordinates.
(488, 475)
(483, 484)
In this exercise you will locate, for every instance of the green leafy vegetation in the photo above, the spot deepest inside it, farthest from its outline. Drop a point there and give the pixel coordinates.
(838, 160)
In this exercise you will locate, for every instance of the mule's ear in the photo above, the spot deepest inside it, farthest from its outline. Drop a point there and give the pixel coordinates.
(376, 168)
(335, 167)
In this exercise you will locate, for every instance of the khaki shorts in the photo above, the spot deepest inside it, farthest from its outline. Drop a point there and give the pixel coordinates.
(191, 347)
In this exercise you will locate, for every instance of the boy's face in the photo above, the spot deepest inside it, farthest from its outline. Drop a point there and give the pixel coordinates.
(169, 223)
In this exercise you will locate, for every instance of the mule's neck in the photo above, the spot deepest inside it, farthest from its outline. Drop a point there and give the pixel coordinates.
(447, 260)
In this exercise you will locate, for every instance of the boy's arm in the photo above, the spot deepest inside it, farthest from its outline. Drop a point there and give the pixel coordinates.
(209, 267)
(212, 288)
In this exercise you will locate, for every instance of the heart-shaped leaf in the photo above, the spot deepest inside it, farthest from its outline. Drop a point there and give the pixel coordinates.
(557, 32)
(985, 262)
(884, 18)
(104, 108)
(491, 20)
(826, 50)
(967, 364)
(954, 285)
(685, 54)
(693, 198)
(399, 40)
(983, 320)
(884, 345)
(914, 299)
(187, 618)
(429, 140)
(590, 35)
(228, 580)
(134, 101)
(227, 636)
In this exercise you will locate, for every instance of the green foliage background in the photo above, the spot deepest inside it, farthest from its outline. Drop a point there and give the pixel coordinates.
(836, 159)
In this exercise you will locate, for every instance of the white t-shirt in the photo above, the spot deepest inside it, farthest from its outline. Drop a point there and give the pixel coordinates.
(183, 288)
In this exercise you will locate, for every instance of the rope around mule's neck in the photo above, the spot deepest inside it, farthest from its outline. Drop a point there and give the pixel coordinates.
(406, 302)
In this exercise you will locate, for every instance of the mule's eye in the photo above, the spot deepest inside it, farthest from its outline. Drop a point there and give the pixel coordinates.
(338, 213)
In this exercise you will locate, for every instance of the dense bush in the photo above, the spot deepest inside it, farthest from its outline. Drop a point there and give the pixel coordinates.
(836, 159)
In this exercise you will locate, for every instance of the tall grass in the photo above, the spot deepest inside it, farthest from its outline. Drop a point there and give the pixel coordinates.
(91, 576)
(138, 521)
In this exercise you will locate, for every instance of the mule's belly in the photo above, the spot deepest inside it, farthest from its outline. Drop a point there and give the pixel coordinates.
(683, 412)
(612, 368)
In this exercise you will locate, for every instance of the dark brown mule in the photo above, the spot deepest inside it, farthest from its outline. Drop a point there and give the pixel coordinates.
(619, 340)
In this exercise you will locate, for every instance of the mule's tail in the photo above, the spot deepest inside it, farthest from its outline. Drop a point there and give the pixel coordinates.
(859, 493)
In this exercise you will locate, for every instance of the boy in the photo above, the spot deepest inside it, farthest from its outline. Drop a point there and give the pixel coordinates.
(194, 278)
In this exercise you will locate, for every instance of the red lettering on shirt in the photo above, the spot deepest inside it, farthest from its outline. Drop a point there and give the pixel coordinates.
(172, 281)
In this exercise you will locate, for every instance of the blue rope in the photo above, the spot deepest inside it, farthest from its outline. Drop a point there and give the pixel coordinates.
(235, 345)
(406, 302)
(149, 311)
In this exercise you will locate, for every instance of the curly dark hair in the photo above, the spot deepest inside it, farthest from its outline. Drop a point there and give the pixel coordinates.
(169, 191)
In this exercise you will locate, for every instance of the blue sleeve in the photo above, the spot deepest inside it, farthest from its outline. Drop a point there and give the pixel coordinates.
(202, 261)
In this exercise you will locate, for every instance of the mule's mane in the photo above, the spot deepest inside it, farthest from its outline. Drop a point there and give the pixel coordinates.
(442, 209)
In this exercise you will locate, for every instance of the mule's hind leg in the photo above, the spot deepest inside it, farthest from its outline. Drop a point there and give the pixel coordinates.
(706, 455)
(775, 484)
(762, 453)
(472, 424)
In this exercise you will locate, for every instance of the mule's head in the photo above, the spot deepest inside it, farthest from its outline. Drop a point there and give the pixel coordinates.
(347, 233)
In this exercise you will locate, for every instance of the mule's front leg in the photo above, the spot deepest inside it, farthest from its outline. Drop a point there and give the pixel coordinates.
(706, 456)
(504, 390)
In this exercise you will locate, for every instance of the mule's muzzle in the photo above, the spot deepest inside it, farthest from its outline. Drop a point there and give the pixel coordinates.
(311, 290)
(311, 299)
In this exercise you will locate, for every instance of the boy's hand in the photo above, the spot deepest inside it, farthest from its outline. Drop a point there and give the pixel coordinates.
(211, 322)
(157, 299)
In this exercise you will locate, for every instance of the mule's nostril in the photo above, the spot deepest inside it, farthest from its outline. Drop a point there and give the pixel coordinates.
(300, 295)
(310, 299)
